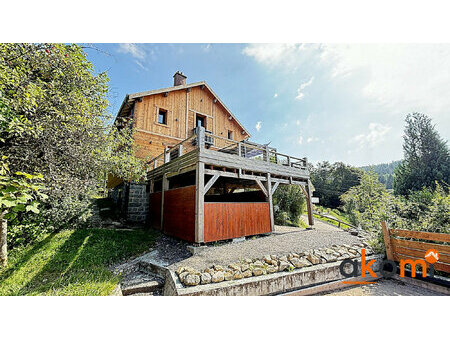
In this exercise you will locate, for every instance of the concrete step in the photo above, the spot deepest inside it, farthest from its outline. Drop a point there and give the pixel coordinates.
(143, 289)
(140, 282)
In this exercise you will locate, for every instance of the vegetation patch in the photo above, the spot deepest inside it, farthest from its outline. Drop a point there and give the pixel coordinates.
(71, 262)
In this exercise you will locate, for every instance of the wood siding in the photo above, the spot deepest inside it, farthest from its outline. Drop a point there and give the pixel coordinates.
(232, 220)
(152, 137)
(179, 213)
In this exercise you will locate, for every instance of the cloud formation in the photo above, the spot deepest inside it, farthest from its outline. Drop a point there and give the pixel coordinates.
(300, 94)
(133, 49)
(258, 126)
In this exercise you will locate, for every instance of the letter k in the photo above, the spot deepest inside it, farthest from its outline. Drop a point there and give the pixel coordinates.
(365, 267)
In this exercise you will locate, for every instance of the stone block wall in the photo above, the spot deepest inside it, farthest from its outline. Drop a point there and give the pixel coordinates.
(138, 202)
(132, 200)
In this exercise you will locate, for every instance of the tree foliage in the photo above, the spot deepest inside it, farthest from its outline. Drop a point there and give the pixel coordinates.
(426, 157)
(289, 204)
(52, 90)
(332, 180)
(385, 172)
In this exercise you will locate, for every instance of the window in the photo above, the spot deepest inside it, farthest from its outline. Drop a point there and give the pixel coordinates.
(162, 116)
(230, 134)
(200, 121)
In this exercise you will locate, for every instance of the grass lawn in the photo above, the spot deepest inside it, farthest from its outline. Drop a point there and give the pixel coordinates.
(71, 262)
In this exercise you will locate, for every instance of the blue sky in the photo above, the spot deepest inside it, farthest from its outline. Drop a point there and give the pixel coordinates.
(325, 101)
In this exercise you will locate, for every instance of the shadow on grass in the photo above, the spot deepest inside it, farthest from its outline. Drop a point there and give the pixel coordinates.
(80, 265)
(25, 257)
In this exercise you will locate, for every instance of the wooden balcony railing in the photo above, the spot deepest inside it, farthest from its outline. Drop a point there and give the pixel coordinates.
(245, 149)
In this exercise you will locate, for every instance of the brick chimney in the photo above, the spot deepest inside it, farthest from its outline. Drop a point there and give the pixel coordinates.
(179, 79)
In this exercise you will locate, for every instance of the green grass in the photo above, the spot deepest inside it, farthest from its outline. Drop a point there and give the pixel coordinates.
(333, 213)
(71, 262)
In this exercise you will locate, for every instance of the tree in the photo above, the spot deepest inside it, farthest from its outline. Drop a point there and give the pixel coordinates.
(18, 193)
(332, 180)
(426, 157)
(367, 204)
(289, 204)
(53, 88)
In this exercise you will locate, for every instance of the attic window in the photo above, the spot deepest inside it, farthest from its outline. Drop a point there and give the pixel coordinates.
(230, 134)
(162, 116)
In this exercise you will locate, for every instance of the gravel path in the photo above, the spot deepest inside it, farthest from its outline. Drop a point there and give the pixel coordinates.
(386, 287)
(282, 241)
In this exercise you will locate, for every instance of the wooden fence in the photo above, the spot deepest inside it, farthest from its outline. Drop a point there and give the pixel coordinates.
(407, 244)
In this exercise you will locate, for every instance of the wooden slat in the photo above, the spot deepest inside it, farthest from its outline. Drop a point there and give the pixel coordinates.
(231, 220)
(437, 266)
(419, 253)
(445, 249)
(179, 213)
(420, 235)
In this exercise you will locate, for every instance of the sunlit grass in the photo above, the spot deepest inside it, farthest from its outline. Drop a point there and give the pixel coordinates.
(71, 262)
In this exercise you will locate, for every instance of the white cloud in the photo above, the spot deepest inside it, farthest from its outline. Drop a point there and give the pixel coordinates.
(131, 48)
(297, 122)
(141, 65)
(312, 139)
(374, 136)
(300, 139)
(300, 94)
(275, 95)
(258, 126)
(206, 48)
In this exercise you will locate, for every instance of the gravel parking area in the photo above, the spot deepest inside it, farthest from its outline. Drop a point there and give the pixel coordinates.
(283, 241)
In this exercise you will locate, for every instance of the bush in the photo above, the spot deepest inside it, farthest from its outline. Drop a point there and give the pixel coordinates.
(289, 204)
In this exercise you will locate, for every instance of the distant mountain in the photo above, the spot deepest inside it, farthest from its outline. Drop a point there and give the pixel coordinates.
(385, 172)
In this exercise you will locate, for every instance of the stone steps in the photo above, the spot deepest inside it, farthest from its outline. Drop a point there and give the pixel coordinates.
(143, 289)
(141, 283)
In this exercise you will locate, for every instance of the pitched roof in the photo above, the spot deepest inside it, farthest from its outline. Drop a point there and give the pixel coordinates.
(130, 98)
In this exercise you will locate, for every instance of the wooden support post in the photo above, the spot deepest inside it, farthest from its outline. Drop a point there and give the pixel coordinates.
(387, 241)
(269, 198)
(180, 150)
(165, 186)
(201, 138)
(289, 161)
(267, 154)
(152, 186)
(199, 202)
(309, 203)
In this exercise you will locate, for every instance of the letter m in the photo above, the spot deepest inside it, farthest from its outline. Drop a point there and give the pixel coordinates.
(413, 264)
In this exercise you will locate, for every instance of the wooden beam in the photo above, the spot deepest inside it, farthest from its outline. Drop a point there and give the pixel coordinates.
(165, 186)
(307, 190)
(275, 186)
(269, 198)
(199, 203)
(266, 192)
(387, 241)
(210, 183)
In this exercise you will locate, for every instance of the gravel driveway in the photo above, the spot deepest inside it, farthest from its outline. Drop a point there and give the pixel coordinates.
(285, 239)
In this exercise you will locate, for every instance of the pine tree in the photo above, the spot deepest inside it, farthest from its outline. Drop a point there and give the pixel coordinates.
(426, 157)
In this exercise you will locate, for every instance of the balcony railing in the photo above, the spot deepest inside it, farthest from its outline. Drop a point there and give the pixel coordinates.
(245, 149)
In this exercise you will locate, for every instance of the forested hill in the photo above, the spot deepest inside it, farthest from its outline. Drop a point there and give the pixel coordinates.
(385, 172)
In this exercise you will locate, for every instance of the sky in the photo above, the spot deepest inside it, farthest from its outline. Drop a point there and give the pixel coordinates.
(328, 102)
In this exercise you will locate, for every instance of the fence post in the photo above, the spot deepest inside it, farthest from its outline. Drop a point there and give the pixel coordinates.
(387, 241)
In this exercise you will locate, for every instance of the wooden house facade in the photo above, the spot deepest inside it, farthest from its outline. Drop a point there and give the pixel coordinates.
(206, 180)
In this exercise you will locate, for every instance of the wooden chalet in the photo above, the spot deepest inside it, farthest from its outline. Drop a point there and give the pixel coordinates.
(206, 180)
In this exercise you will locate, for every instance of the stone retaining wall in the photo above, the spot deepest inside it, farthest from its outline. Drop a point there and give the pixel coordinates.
(132, 200)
